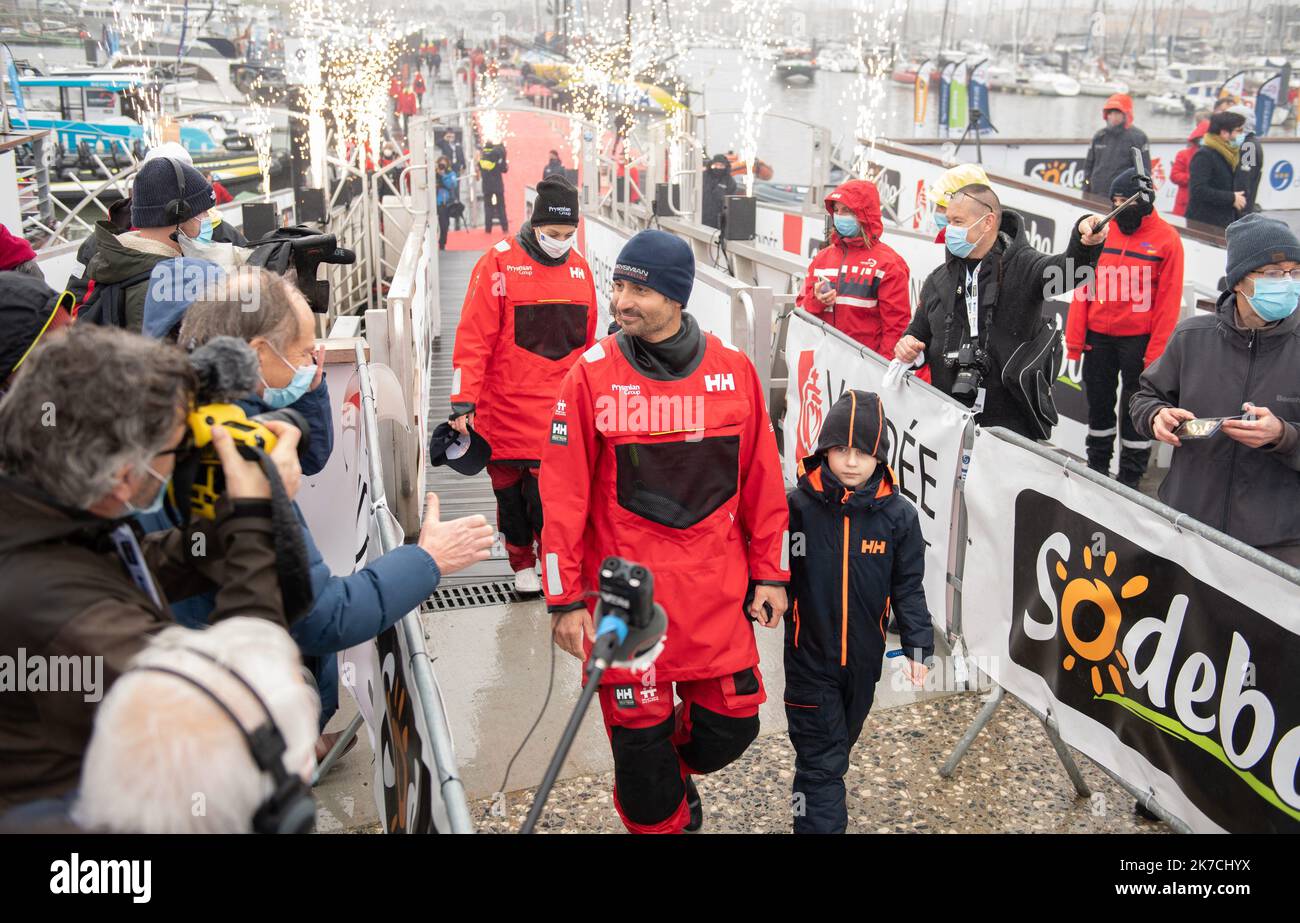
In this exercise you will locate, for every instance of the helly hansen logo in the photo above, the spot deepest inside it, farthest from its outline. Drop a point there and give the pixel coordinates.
(873, 547)
(720, 382)
(624, 697)
(577, 272)
(559, 432)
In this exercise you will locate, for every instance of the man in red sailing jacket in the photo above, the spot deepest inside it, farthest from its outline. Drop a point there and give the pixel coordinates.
(661, 451)
(529, 313)
(1120, 323)
(858, 284)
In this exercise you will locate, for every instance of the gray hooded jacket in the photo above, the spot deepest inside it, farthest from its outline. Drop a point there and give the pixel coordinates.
(1211, 367)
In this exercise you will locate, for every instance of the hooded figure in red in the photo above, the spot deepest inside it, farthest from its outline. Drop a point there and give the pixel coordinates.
(1111, 151)
(863, 284)
(1181, 172)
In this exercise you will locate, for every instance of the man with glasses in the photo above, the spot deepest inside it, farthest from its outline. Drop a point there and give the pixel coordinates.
(986, 300)
(1242, 364)
(89, 433)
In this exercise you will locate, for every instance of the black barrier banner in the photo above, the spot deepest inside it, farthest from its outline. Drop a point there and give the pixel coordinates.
(1202, 686)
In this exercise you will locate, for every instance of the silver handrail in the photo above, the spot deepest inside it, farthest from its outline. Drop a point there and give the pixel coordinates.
(421, 665)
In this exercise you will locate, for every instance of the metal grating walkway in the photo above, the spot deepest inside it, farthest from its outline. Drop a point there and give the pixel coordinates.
(458, 495)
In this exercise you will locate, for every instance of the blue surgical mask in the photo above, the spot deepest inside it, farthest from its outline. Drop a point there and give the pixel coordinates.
(1275, 300)
(940, 220)
(1235, 140)
(277, 398)
(847, 226)
(205, 231)
(158, 501)
(956, 242)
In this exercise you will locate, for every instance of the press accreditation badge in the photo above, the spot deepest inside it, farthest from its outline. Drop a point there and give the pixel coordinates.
(978, 406)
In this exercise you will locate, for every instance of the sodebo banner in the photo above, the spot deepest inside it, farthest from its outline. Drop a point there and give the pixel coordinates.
(1164, 657)
(925, 434)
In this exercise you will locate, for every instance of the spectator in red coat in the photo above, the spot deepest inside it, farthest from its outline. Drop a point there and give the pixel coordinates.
(1180, 174)
(220, 192)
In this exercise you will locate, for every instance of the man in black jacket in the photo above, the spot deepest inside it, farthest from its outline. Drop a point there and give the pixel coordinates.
(717, 185)
(987, 299)
(1250, 167)
(492, 168)
(1244, 479)
(1211, 194)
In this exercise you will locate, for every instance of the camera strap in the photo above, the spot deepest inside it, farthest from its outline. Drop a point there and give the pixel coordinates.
(973, 300)
(128, 549)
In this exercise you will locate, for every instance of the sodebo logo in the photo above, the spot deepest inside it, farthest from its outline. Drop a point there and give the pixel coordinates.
(1140, 645)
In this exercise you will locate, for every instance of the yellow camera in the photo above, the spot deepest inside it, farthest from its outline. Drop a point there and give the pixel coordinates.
(252, 438)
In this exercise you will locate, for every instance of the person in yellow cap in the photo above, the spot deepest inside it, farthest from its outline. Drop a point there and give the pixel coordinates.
(949, 182)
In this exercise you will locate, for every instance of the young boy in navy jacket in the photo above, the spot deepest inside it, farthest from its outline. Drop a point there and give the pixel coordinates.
(856, 552)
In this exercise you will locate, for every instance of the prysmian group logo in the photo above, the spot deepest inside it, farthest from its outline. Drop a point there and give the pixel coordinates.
(1202, 686)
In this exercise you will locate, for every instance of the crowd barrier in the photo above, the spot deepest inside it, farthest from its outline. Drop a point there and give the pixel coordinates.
(417, 787)
(1144, 639)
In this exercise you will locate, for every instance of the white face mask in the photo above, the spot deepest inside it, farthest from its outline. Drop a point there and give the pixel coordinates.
(553, 246)
(227, 256)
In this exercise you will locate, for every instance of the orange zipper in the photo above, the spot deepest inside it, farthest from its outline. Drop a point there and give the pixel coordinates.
(884, 612)
(796, 623)
(844, 600)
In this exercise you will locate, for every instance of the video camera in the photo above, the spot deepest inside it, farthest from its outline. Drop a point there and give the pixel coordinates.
(301, 249)
(630, 626)
(227, 369)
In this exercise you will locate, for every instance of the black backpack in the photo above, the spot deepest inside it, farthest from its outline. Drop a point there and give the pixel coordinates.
(1030, 374)
(106, 305)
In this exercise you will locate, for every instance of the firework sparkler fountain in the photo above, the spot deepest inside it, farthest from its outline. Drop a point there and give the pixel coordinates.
(882, 21)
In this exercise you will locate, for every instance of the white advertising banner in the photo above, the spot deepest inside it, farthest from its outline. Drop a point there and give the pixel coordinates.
(926, 430)
(1162, 656)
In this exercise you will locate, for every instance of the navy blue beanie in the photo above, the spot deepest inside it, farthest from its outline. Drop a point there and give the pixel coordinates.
(660, 261)
(155, 186)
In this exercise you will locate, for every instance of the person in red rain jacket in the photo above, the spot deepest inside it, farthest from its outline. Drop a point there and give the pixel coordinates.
(406, 108)
(529, 313)
(858, 284)
(1180, 174)
(662, 452)
(1120, 325)
(417, 84)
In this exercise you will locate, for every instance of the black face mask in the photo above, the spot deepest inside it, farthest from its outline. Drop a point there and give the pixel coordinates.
(1129, 219)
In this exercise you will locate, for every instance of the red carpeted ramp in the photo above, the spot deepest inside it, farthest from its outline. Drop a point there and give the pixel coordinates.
(529, 139)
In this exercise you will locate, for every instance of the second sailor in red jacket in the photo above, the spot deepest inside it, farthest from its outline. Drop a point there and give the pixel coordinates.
(1120, 323)
(529, 313)
(858, 284)
(661, 451)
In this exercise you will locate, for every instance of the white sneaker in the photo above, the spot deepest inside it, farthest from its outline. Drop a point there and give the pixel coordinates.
(527, 582)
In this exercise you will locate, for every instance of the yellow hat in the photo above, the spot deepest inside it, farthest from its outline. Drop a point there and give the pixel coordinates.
(961, 175)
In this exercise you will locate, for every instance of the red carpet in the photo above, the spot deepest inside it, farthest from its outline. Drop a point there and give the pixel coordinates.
(529, 139)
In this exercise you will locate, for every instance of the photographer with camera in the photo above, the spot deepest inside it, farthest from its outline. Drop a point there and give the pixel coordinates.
(350, 610)
(89, 434)
(986, 301)
(696, 496)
